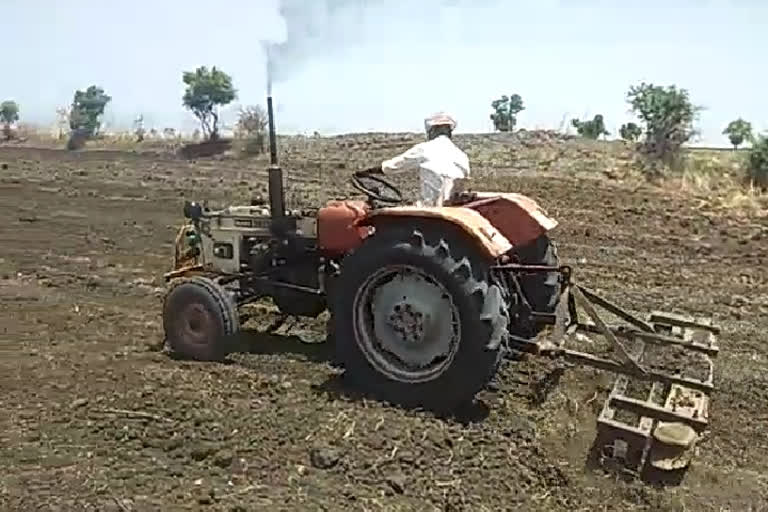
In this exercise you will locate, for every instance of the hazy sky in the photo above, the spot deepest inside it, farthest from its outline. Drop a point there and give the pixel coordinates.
(383, 65)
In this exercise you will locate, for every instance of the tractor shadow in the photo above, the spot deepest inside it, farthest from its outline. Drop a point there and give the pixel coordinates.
(335, 386)
(255, 342)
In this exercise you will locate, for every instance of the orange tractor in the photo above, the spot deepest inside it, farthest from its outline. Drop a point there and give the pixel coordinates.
(426, 301)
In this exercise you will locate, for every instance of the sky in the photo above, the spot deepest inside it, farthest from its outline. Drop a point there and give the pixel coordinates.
(383, 65)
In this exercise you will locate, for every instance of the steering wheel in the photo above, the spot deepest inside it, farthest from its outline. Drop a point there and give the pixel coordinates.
(372, 191)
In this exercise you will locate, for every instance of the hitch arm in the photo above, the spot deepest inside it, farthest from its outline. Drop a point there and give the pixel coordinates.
(604, 329)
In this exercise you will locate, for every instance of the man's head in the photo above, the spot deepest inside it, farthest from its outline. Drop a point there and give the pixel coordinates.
(439, 124)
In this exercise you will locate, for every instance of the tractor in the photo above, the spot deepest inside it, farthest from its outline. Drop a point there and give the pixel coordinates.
(425, 302)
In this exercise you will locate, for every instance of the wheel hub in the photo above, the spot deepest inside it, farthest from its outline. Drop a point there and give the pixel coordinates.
(407, 324)
(195, 323)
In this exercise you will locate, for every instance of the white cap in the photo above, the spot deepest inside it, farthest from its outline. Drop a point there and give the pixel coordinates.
(439, 119)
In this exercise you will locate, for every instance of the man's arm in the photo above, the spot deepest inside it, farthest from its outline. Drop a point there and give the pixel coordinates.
(407, 161)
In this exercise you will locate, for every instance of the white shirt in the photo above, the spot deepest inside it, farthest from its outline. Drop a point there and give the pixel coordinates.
(439, 163)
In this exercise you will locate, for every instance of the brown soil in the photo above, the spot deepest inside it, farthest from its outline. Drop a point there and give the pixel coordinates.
(97, 418)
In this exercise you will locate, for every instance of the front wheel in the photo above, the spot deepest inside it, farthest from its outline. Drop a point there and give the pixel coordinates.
(417, 321)
(200, 319)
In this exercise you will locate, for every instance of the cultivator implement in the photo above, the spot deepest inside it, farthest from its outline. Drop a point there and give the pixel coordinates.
(658, 407)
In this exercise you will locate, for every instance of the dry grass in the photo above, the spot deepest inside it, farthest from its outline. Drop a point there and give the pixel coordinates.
(719, 178)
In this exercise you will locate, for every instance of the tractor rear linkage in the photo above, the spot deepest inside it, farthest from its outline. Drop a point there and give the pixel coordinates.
(657, 428)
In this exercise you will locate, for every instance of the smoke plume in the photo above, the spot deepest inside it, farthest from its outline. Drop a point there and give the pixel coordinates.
(311, 28)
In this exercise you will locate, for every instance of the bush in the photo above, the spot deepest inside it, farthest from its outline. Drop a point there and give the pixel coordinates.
(252, 123)
(590, 129)
(757, 170)
(630, 132)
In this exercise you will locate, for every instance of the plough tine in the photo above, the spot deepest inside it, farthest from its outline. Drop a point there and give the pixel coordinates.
(604, 329)
(562, 309)
(616, 310)
(645, 433)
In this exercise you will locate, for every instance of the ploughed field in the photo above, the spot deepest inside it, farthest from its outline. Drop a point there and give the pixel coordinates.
(96, 417)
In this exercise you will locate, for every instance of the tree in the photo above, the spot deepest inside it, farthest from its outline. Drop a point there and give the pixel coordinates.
(593, 129)
(668, 116)
(757, 170)
(86, 110)
(738, 131)
(252, 122)
(206, 91)
(9, 114)
(630, 132)
(505, 111)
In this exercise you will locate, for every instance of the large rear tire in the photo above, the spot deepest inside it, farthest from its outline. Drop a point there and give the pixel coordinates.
(417, 320)
(200, 319)
(541, 289)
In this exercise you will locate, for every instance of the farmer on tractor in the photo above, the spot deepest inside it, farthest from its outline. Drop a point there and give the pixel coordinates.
(438, 160)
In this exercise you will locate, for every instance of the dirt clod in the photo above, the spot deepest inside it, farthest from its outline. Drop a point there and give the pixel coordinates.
(397, 482)
(324, 457)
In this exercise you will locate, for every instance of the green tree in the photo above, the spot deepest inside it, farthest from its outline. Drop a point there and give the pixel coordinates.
(668, 116)
(591, 129)
(738, 131)
(630, 132)
(86, 110)
(206, 91)
(757, 169)
(505, 111)
(9, 114)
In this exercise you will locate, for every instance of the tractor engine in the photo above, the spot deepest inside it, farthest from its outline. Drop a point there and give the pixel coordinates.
(238, 243)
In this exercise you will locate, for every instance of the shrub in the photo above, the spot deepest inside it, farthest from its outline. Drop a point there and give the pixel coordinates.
(757, 163)
(590, 129)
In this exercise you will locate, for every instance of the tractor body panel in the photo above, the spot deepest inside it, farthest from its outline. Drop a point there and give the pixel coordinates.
(491, 240)
(338, 231)
(519, 218)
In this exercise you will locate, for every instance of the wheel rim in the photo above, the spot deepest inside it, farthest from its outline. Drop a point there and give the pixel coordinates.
(406, 324)
(196, 325)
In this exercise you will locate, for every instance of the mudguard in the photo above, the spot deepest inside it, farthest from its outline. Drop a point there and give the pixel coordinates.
(519, 218)
(490, 239)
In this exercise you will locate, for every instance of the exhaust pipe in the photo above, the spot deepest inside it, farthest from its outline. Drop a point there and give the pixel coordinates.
(275, 173)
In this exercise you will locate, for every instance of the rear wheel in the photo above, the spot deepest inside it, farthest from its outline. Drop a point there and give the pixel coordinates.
(541, 289)
(417, 320)
(199, 319)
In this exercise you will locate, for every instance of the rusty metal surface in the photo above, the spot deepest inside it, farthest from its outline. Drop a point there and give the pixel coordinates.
(672, 417)
(493, 242)
(184, 271)
(517, 217)
(528, 204)
(658, 407)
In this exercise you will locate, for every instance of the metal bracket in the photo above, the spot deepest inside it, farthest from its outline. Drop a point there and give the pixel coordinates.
(672, 412)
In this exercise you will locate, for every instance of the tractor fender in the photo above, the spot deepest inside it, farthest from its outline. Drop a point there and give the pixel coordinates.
(519, 218)
(490, 239)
